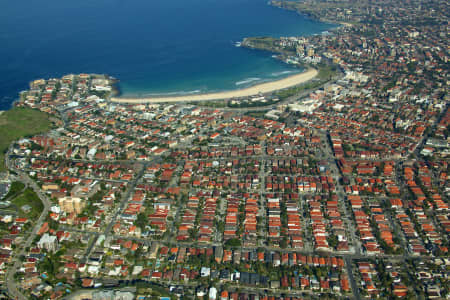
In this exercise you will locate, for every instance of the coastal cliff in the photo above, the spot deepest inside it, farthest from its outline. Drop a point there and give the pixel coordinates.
(269, 44)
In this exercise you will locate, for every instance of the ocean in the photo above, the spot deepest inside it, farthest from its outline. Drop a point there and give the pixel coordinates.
(153, 47)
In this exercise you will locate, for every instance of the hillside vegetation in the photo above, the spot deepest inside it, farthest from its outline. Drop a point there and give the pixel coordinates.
(17, 123)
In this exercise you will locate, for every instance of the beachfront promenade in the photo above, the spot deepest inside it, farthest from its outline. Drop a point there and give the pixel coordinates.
(250, 91)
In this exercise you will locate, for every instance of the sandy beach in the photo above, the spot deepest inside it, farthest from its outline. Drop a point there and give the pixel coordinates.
(250, 91)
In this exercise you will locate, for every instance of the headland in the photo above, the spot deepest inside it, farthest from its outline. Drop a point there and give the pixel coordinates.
(263, 88)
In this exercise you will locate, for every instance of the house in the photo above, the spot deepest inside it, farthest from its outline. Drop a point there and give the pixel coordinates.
(205, 272)
(87, 282)
(212, 293)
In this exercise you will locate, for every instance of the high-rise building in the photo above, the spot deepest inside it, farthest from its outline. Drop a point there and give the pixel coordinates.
(72, 204)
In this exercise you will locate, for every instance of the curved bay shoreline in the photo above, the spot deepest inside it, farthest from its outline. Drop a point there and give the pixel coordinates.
(250, 91)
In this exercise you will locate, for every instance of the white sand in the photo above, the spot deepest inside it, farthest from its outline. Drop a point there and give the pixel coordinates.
(250, 91)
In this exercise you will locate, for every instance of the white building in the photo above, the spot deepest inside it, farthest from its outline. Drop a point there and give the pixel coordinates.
(48, 242)
(212, 293)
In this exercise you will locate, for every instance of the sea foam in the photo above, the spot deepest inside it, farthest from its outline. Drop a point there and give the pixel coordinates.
(276, 74)
(248, 80)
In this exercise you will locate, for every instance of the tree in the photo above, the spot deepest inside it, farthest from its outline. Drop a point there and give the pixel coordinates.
(333, 240)
(141, 221)
(233, 242)
(78, 281)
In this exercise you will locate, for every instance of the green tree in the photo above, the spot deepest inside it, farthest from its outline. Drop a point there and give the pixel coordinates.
(233, 242)
(141, 221)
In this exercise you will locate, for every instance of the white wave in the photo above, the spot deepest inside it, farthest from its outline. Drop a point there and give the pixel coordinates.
(248, 80)
(174, 93)
(276, 74)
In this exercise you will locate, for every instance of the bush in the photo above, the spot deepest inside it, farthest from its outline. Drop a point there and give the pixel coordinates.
(15, 189)
(233, 242)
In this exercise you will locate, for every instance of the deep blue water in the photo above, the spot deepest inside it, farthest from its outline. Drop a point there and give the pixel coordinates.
(152, 46)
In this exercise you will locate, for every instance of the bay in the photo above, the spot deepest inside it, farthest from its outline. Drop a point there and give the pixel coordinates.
(152, 47)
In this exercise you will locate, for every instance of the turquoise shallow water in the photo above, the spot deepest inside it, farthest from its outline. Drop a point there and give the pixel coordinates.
(153, 47)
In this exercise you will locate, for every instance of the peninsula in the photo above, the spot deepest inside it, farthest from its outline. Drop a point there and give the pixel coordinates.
(250, 91)
(339, 189)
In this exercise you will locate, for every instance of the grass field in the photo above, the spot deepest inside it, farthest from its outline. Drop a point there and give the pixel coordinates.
(17, 123)
(325, 74)
(15, 189)
(29, 197)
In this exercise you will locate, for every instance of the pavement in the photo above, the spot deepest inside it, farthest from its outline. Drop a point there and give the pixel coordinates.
(10, 283)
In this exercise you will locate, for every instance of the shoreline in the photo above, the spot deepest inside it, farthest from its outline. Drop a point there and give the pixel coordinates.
(262, 88)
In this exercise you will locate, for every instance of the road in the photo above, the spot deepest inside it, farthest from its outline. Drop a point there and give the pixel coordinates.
(329, 157)
(10, 283)
(288, 100)
(351, 278)
(120, 208)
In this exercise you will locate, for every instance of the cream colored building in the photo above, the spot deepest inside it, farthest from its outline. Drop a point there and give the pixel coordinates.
(72, 204)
